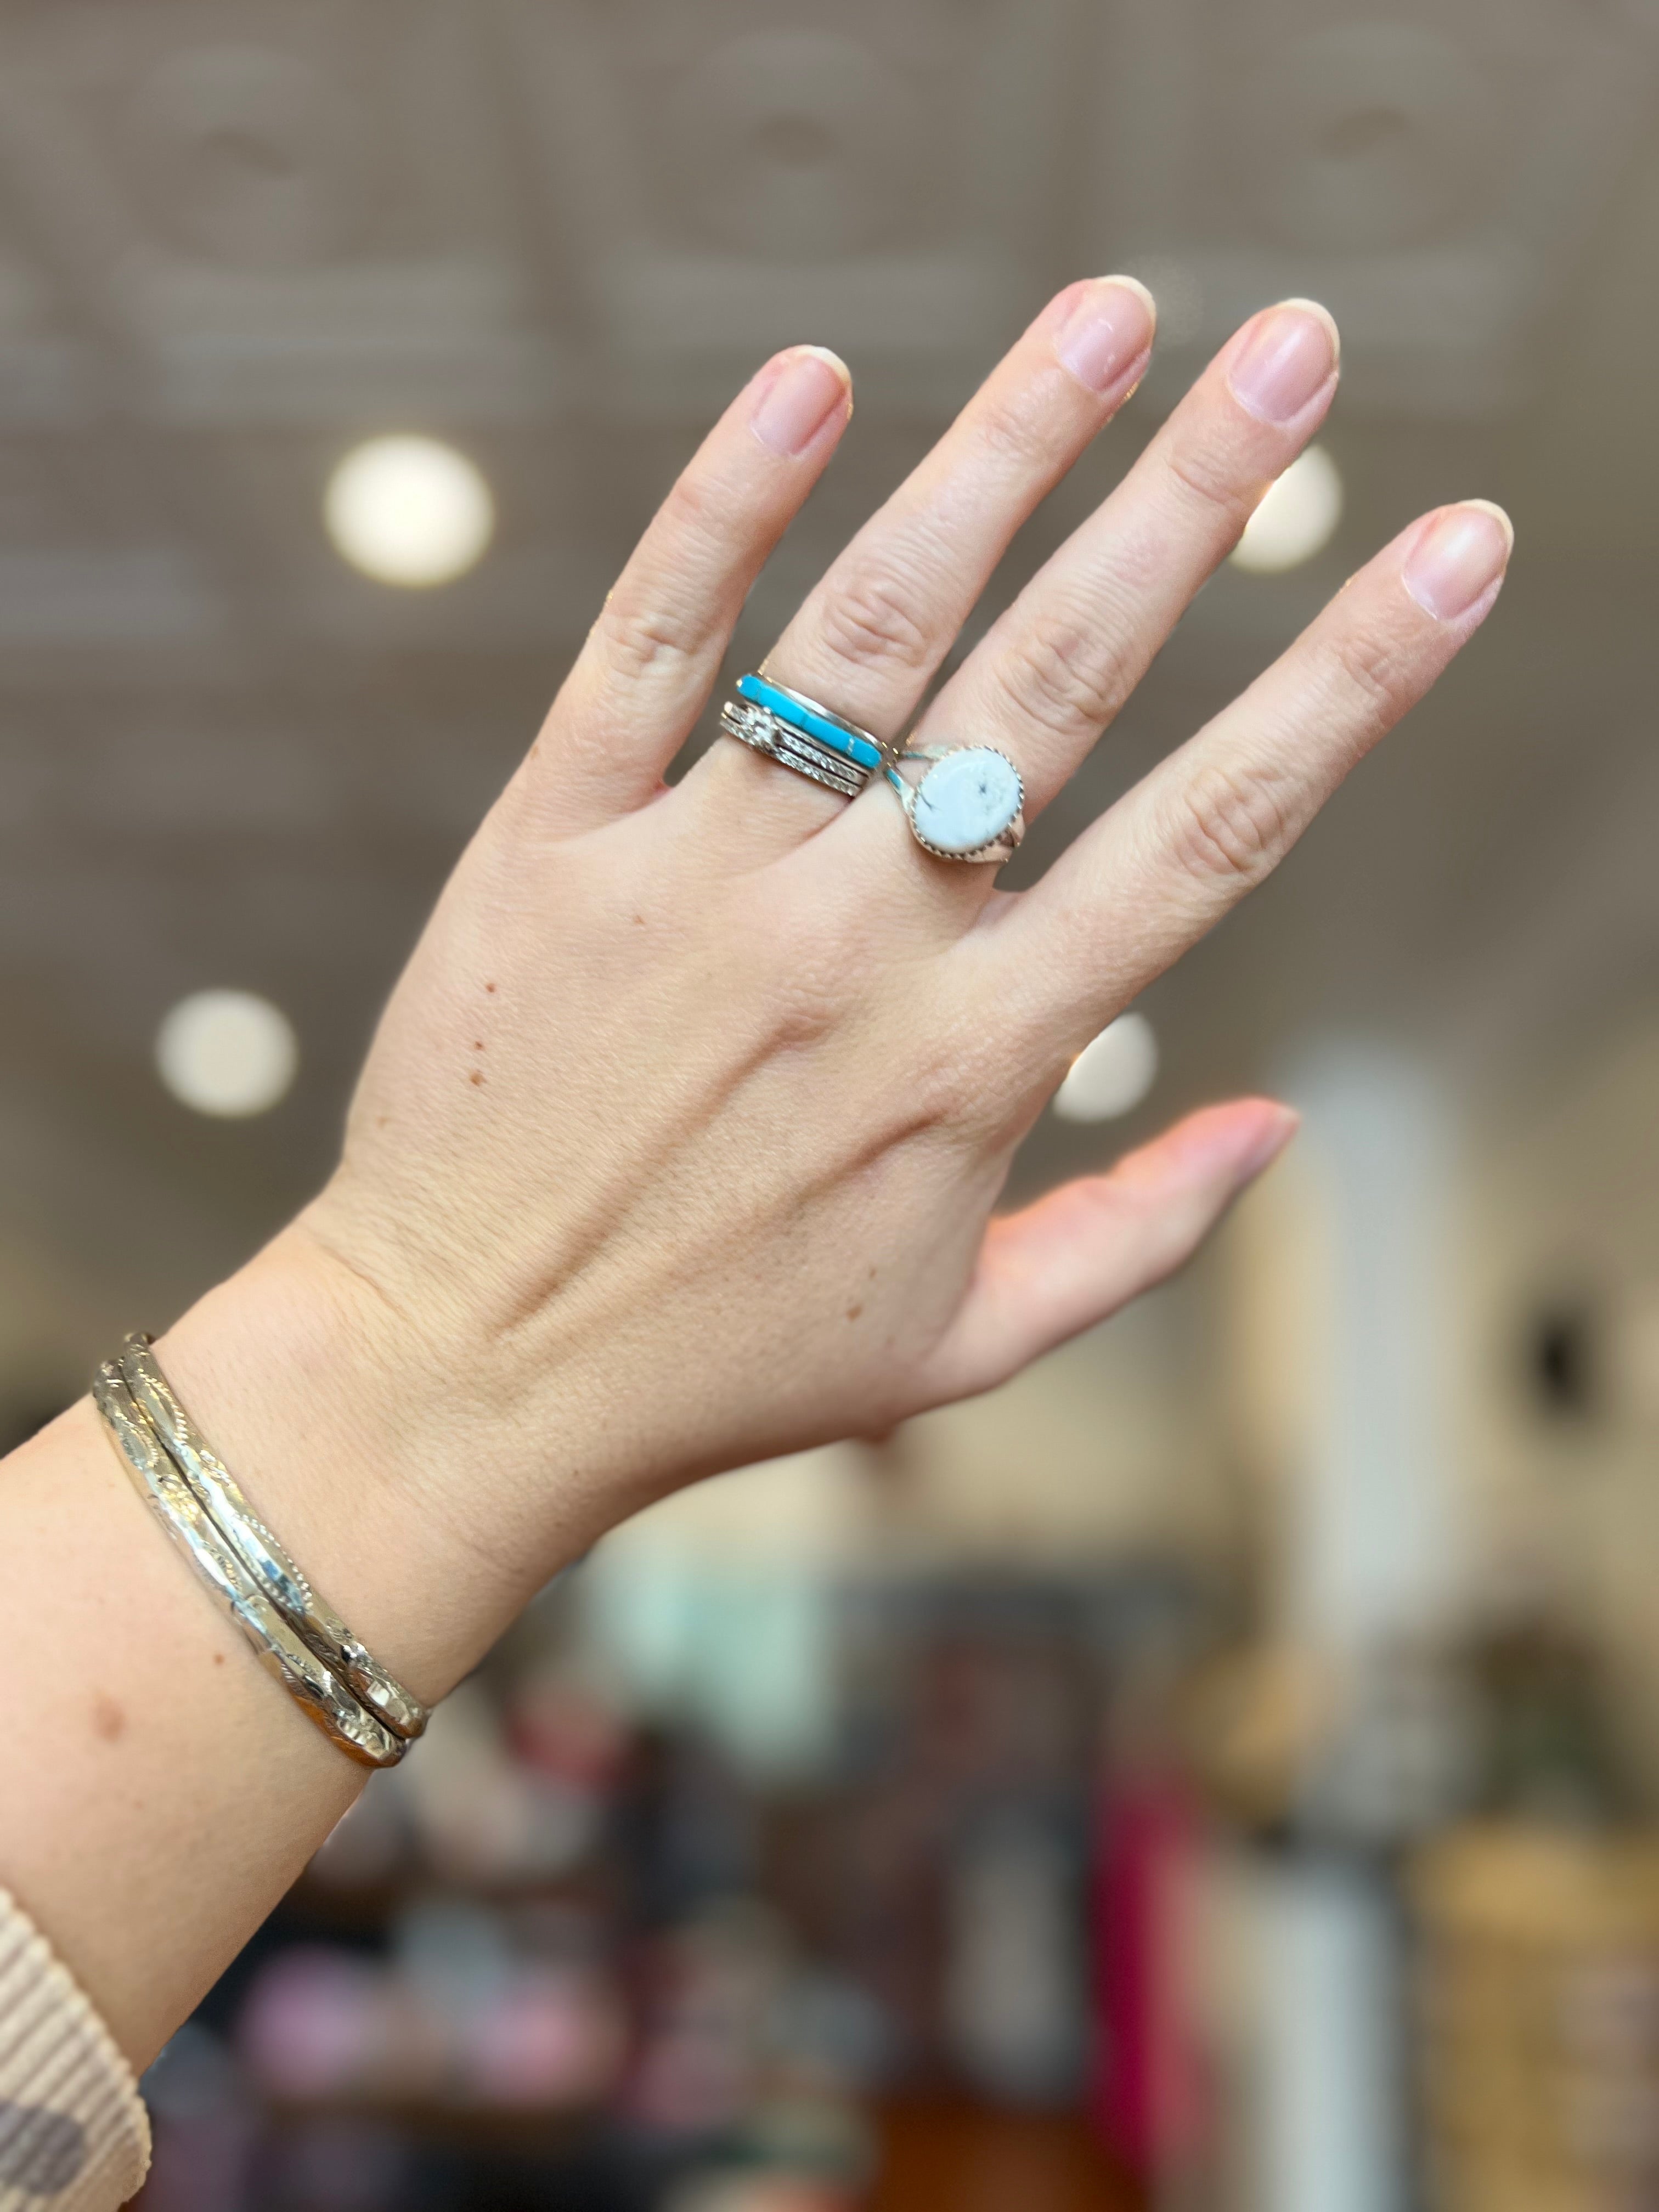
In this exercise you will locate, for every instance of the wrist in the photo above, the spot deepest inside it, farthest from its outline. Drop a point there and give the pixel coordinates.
(345, 1431)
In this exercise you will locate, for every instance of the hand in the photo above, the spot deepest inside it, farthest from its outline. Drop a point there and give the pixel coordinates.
(679, 1144)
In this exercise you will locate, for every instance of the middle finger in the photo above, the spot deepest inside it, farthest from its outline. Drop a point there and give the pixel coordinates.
(869, 638)
(1058, 664)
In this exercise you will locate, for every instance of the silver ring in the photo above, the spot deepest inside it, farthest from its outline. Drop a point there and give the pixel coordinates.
(800, 734)
(968, 803)
(764, 733)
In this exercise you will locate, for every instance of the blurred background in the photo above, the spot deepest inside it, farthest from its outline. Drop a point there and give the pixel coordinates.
(1221, 1768)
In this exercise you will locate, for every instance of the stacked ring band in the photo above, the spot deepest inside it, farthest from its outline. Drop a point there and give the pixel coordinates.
(967, 803)
(297, 1637)
(795, 731)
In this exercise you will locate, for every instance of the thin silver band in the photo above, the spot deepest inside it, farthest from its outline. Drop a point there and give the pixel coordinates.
(274, 1573)
(163, 1487)
(764, 732)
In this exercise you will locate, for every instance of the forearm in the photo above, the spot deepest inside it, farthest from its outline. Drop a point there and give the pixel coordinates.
(160, 1792)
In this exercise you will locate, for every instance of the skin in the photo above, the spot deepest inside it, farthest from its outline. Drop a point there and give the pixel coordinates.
(679, 1142)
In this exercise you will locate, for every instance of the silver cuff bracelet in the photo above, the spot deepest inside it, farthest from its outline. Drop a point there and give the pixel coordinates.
(294, 1634)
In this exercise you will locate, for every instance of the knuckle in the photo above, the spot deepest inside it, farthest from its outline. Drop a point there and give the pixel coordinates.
(813, 977)
(872, 617)
(939, 1089)
(1367, 665)
(810, 1004)
(1207, 474)
(1065, 679)
(654, 618)
(1014, 436)
(956, 1078)
(639, 634)
(699, 509)
(1233, 825)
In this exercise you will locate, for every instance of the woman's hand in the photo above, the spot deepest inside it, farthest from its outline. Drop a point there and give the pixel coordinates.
(679, 1144)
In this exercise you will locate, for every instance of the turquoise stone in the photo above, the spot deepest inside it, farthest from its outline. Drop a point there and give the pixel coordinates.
(840, 737)
(966, 800)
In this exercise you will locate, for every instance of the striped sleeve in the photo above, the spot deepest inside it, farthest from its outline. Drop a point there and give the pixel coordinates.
(73, 2135)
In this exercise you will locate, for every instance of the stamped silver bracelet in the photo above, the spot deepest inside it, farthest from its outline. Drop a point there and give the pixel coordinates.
(323, 1698)
(273, 1569)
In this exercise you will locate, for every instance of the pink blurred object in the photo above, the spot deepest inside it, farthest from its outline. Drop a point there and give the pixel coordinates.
(1144, 2090)
(314, 2024)
(554, 2038)
(322, 2026)
(566, 1734)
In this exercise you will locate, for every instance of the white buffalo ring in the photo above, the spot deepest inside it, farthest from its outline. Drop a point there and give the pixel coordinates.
(968, 803)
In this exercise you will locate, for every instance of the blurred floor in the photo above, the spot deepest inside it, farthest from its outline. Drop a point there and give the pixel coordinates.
(945, 2157)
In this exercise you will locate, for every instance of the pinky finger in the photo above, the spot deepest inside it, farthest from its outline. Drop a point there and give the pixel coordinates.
(1079, 1255)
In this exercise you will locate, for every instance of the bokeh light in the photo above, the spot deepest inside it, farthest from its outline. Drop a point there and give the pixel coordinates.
(1297, 518)
(227, 1053)
(410, 511)
(1112, 1075)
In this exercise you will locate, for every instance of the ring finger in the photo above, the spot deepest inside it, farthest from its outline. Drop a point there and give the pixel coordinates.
(1059, 663)
(870, 637)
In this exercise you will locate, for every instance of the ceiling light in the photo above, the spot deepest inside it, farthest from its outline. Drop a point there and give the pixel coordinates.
(1112, 1075)
(409, 510)
(227, 1053)
(1295, 518)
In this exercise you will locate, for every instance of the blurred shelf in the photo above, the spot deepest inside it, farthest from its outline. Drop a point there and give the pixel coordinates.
(939, 2156)
(480, 2126)
(368, 1907)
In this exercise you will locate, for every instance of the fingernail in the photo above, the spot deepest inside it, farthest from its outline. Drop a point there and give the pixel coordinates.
(1278, 1127)
(1110, 328)
(1459, 556)
(1235, 1142)
(812, 385)
(1288, 360)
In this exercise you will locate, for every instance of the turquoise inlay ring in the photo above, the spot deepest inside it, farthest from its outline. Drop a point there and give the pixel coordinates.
(967, 803)
(812, 720)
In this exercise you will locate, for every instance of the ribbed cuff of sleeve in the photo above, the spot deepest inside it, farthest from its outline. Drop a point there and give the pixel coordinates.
(74, 2134)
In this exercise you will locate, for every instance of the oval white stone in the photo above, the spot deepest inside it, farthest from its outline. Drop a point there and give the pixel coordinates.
(966, 800)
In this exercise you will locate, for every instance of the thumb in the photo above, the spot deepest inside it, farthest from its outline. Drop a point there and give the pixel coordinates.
(1079, 1255)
